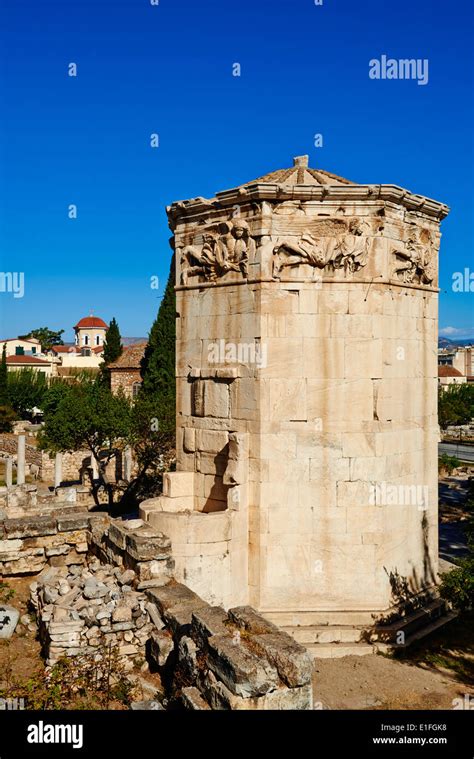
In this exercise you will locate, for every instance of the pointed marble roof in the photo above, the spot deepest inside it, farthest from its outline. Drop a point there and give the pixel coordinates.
(302, 183)
(300, 174)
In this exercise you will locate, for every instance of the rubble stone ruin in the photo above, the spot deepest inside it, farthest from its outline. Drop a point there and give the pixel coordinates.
(306, 482)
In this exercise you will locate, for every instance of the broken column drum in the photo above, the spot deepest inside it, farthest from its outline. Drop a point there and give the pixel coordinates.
(306, 375)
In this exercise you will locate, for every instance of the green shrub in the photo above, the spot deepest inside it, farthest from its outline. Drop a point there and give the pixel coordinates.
(448, 463)
(457, 586)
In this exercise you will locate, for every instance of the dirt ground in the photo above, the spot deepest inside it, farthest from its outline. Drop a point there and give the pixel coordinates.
(376, 682)
(20, 655)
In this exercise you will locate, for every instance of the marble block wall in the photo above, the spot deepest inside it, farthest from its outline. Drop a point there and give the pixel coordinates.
(306, 394)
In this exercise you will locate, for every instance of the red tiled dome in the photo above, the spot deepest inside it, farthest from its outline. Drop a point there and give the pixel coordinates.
(90, 321)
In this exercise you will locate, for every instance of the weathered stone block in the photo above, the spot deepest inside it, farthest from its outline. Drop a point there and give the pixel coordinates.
(187, 658)
(161, 646)
(154, 570)
(10, 546)
(248, 619)
(76, 521)
(117, 534)
(291, 660)
(23, 566)
(209, 621)
(176, 604)
(242, 671)
(145, 548)
(192, 699)
(177, 484)
(27, 527)
(216, 399)
(212, 441)
(189, 439)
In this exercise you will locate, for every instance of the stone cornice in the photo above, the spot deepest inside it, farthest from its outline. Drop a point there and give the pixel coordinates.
(261, 191)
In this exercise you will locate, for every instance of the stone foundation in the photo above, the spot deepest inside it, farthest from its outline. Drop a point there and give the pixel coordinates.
(28, 544)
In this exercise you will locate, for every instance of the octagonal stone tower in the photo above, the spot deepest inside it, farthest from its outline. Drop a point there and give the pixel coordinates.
(306, 366)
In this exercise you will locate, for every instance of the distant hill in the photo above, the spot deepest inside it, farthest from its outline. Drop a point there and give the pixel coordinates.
(133, 340)
(446, 342)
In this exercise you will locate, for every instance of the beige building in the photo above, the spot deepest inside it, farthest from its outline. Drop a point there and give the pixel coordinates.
(17, 346)
(306, 375)
(42, 365)
(75, 357)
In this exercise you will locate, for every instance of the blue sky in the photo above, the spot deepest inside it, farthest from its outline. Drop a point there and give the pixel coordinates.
(167, 69)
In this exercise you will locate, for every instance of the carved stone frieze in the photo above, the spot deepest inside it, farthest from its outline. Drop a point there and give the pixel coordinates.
(417, 262)
(348, 250)
(225, 247)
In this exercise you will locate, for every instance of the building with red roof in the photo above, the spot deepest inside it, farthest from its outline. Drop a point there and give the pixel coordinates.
(90, 332)
(449, 375)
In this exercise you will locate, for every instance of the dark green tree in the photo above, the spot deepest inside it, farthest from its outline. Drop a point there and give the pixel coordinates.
(112, 350)
(4, 398)
(46, 336)
(56, 391)
(7, 414)
(158, 363)
(113, 343)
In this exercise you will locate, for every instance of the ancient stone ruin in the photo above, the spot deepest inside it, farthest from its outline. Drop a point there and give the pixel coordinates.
(302, 515)
(306, 393)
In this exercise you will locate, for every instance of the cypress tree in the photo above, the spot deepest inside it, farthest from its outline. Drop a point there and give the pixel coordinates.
(112, 350)
(158, 363)
(4, 398)
(7, 414)
(112, 343)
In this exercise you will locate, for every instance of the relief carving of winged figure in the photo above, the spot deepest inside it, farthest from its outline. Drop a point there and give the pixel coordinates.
(225, 250)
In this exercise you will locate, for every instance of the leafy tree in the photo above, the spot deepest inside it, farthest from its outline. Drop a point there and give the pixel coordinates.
(158, 363)
(87, 416)
(149, 435)
(456, 405)
(56, 391)
(26, 389)
(46, 336)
